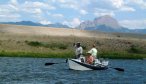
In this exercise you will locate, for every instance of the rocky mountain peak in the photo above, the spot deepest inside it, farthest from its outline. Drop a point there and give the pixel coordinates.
(107, 21)
(103, 20)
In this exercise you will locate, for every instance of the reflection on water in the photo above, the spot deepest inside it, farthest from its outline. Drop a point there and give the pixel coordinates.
(33, 71)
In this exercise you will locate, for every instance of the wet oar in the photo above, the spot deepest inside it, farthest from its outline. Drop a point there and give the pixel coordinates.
(51, 63)
(118, 69)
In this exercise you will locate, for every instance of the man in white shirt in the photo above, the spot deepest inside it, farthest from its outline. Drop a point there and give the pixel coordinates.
(78, 50)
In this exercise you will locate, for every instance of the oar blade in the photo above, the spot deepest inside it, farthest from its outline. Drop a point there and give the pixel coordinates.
(119, 69)
(49, 64)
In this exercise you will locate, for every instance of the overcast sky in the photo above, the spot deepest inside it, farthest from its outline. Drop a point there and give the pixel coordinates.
(129, 13)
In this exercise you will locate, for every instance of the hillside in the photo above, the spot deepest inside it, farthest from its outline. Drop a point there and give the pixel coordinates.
(48, 31)
(35, 30)
(17, 30)
(34, 41)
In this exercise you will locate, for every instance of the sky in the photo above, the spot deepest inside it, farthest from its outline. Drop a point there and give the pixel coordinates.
(129, 13)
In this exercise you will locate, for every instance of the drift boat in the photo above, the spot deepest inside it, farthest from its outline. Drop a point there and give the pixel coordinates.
(77, 64)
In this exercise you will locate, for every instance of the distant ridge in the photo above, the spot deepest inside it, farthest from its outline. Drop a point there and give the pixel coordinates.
(104, 23)
(30, 23)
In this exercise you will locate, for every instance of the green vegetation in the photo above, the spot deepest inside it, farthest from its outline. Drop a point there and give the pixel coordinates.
(36, 55)
(121, 55)
(137, 49)
(47, 45)
(62, 47)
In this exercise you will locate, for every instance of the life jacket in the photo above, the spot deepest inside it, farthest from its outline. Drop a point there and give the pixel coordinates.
(89, 59)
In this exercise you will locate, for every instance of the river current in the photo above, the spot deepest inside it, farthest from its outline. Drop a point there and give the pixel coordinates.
(33, 71)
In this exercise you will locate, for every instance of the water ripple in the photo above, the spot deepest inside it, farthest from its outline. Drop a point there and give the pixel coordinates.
(33, 71)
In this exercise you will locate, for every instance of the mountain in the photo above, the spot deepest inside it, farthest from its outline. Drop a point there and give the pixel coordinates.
(30, 23)
(107, 21)
(104, 23)
(143, 31)
(107, 24)
(57, 25)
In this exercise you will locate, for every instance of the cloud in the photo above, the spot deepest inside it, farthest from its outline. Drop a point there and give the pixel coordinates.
(73, 23)
(139, 3)
(97, 14)
(45, 11)
(8, 12)
(32, 5)
(117, 3)
(37, 11)
(101, 12)
(75, 5)
(57, 15)
(13, 7)
(133, 24)
(126, 8)
(83, 12)
(111, 5)
(70, 5)
(14, 2)
(9, 17)
(121, 5)
(62, 1)
(45, 22)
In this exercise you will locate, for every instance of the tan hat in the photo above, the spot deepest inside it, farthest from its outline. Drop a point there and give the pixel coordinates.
(88, 52)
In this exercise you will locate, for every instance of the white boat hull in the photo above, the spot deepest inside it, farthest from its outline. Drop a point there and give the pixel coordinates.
(76, 64)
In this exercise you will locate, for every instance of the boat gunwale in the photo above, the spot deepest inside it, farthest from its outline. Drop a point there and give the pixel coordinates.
(90, 66)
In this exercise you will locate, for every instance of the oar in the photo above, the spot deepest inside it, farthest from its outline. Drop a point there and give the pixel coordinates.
(51, 63)
(118, 69)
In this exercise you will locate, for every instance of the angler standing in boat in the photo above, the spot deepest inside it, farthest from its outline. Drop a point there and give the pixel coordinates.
(93, 51)
(78, 50)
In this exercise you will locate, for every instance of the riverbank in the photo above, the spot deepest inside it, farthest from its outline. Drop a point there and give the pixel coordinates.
(112, 55)
(46, 45)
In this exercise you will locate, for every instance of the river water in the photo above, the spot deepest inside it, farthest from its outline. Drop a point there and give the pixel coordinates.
(33, 71)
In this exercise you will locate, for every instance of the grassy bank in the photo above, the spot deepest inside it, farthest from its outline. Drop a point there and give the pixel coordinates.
(37, 55)
(113, 46)
(109, 55)
(119, 55)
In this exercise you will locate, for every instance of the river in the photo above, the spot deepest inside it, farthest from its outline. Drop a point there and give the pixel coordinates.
(33, 71)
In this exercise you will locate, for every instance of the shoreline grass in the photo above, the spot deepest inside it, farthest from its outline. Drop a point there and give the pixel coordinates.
(124, 55)
(37, 55)
(109, 55)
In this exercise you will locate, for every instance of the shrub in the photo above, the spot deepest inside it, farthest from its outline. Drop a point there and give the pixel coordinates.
(135, 49)
(47, 45)
(56, 45)
(34, 43)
